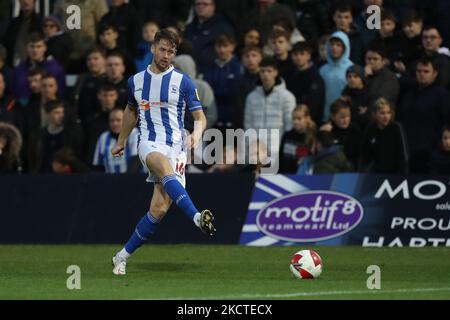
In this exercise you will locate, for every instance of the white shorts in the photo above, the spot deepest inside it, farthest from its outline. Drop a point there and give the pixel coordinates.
(176, 155)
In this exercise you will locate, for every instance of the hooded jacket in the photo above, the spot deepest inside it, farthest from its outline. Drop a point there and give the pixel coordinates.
(10, 156)
(334, 73)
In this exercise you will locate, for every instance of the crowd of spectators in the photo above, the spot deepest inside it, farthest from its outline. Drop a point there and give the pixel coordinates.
(345, 98)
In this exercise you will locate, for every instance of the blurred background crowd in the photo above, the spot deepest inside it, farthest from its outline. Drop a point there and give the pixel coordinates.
(345, 98)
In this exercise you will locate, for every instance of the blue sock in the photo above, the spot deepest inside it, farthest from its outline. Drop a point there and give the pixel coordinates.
(179, 195)
(144, 229)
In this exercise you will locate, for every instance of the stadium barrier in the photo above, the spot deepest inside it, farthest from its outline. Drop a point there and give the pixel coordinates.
(349, 209)
(99, 208)
(345, 209)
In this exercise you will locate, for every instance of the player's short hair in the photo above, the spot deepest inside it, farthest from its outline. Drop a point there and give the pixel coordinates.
(269, 62)
(166, 34)
(426, 61)
(249, 49)
(36, 37)
(302, 46)
(279, 34)
(96, 49)
(52, 105)
(37, 71)
(225, 39)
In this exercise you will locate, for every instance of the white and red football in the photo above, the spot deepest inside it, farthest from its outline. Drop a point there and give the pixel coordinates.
(306, 264)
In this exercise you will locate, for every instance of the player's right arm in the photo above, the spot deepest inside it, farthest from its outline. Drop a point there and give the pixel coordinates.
(129, 123)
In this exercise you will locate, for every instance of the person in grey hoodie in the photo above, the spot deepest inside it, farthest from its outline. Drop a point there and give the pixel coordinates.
(334, 72)
(186, 64)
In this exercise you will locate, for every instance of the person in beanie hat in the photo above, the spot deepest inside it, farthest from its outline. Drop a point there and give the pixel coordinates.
(356, 91)
(58, 43)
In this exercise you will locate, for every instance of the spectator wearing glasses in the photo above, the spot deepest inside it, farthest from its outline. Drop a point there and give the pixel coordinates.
(432, 42)
(58, 42)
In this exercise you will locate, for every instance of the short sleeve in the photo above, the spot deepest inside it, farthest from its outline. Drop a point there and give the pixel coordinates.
(131, 98)
(191, 96)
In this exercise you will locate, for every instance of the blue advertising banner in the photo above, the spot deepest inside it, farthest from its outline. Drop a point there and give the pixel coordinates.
(349, 209)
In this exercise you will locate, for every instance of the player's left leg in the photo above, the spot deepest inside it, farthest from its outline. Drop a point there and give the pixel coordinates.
(148, 224)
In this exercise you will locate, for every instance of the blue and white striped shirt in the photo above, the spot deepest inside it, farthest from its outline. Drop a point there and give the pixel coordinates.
(103, 157)
(161, 100)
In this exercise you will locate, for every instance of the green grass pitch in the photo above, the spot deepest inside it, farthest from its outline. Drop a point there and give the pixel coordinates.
(221, 272)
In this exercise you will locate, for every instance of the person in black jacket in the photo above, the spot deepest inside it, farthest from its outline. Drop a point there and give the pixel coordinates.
(384, 148)
(59, 43)
(345, 132)
(297, 143)
(356, 91)
(305, 81)
(18, 33)
(440, 158)
(423, 110)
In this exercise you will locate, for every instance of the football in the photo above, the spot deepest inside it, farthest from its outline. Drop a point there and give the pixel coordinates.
(306, 264)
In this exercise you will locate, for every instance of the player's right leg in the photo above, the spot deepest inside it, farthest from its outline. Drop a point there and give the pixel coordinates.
(160, 165)
(159, 206)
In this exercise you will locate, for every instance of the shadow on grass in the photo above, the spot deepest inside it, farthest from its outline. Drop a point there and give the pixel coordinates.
(166, 266)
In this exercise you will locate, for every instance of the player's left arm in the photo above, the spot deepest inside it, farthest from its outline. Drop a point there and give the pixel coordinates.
(194, 105)
(200, 124)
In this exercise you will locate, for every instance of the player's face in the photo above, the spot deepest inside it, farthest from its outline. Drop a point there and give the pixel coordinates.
(56, 117)
(342, 119)
(49, 88)
(383, 116)
(115, 121)
(35, 83)
(163, 54)
(36, 50)
(446, 141)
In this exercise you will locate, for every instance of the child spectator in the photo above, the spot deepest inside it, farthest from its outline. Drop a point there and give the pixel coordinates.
(384, 147)
(298, 142)
(66, 162)
(144, 55)
(88, 84)
(440, 158)
(356, 91)
(36, 49)
(328, 158)
(251, 59)
(10, 148)
(305, 81)
(343, 20)
(279, 42)
(222, 77)
(103, 159)
(270, 105)
(381, 82)
(109, 40)
(345, 133)
(98, 121)
(333, 73)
